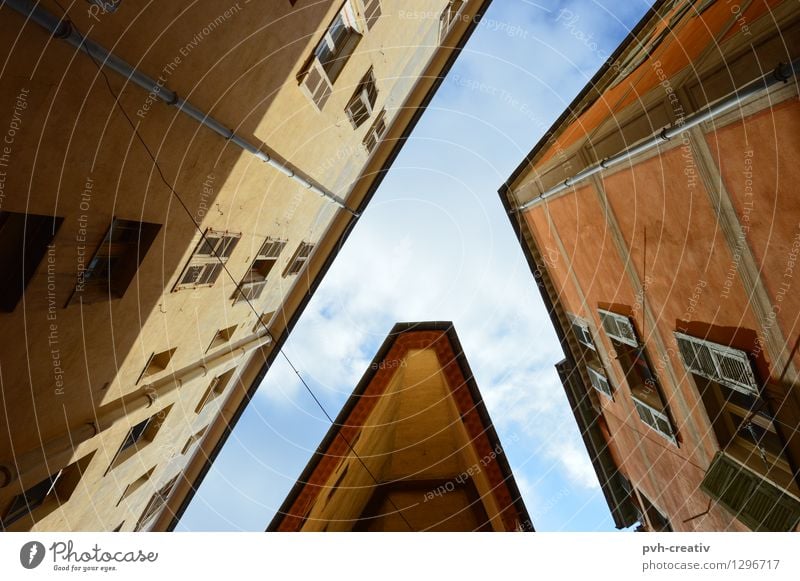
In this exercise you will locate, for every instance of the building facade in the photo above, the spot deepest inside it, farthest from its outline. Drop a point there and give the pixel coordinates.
(660, 221)
(174, 183)
(413, 449)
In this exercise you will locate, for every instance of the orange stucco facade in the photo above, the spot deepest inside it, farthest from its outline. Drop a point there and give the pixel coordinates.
(696, 237)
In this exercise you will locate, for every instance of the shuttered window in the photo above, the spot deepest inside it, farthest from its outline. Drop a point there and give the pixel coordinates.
(115, 262)
(255, 281)
(599, 382)
(618, 327)
(206, 263)
(375, 132)
(581, 330)
(449, 16)
(372, 11)
(725, 365)
(157, 502)
(655, 419)
(756, 502)
(299, 259)
(330, 55)
(361, 104)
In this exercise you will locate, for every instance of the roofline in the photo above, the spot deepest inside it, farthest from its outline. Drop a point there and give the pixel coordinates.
(556, 128)
(317, 280)
(399, 329)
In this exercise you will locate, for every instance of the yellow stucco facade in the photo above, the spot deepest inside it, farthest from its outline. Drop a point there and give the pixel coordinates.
(128, 352)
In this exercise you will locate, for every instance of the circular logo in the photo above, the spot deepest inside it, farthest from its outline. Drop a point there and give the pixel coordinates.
(31, 554)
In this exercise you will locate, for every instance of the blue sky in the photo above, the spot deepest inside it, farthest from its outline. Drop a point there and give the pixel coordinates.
(435, 245)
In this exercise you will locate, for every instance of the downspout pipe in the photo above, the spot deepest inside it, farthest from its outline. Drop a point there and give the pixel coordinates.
(63, 30)
(781, 74)
(59, 450)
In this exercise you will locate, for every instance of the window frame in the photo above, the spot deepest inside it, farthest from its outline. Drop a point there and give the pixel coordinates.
(115, 262)
(255, 279)
(361, 105)
(22, 251)
(299, 259)
(376, 132)
(717, 354)
(205, 256)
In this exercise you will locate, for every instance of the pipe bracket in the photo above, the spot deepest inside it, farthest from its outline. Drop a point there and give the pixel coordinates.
(63, 30)
(5, 476)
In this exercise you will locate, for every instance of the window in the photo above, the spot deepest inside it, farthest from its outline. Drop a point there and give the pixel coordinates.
(360, 106)
(756, 502)
(107, 6)
(157, 502)
(193, 439)
(24, 240)
(725, 365)
(299, 259)
(136, 484)
(45, 496)
(255, 281)
(659, 523)
(654, 418)
(739, 416)
(643, 384)
(115, 262)
(221, 337)
(449, 16)
(139, 436)
(582, 333)
(336, 484)
(118, 528)
(618, 327)
(372, 11)
(215, 389)
(376, 132)
(329, 57)
(157, 363)
(262, 324)
(599, 382)
(206, 263)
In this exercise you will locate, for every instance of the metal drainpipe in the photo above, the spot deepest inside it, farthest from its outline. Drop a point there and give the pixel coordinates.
(52, 450)
(781, 74)
(62, 29)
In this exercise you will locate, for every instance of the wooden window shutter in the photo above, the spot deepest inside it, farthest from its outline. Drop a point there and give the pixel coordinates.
(655, 419)
(316, 84)
(372, 11)
(599, 382)
(618, 327)
(725, 365)
(756, 502)
(581, 330)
